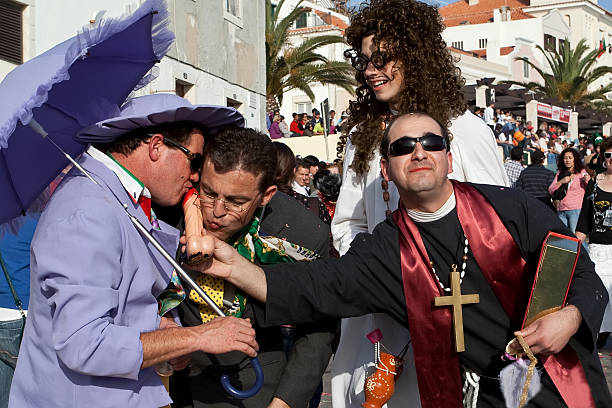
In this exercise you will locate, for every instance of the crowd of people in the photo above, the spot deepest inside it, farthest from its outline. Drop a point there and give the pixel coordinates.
(303, 124)
(310, 259)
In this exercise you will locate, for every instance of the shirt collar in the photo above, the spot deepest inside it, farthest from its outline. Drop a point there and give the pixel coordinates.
(447, 207)
(132, 185)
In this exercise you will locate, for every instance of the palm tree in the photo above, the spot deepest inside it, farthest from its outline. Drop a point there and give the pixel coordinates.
(572, 73)
(289, 67)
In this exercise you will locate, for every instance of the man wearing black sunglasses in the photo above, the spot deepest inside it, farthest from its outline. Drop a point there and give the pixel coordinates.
(402, 65)
(490, 237)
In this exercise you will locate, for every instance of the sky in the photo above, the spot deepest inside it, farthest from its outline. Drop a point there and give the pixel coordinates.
(607, 4)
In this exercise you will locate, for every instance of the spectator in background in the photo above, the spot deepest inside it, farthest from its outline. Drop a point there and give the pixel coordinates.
(535, 179)
(595, 222)
(573, 178)
(308, 129)
(340, 125)
(318, 129)
(313, 163)
(302, 192)
(595, 163)
(294, 127)
(316, 118)
(513, 167)
(332, 122)
(328, 187)
(275, 132)
(478, 111)
(270, 117)
(503, 140)
(489, 116)
(551, 155)
(285, 168)
(284, 128)
(301, 179)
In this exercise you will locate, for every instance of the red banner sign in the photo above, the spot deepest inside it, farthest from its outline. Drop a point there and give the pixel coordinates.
(554, 113)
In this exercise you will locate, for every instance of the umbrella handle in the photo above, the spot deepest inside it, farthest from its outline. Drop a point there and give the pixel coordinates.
(259, 380)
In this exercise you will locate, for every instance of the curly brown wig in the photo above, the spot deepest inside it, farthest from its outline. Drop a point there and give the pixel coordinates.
(411, 34)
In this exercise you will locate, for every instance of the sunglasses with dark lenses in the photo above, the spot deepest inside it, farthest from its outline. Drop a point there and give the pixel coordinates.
(608, 155)
(196, 160)
(360, 62)
(406, 145)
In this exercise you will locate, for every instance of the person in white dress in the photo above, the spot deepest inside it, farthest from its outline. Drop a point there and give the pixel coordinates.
(391, 47)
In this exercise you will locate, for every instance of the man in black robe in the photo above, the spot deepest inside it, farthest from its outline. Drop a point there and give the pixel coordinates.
(404, 264)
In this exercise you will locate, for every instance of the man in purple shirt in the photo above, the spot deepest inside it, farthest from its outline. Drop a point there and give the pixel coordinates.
(93, 334)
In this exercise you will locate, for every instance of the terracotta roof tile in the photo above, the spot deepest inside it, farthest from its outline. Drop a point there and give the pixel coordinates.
(461, 12)
(315, 29)
(331, 19)
(482, 53)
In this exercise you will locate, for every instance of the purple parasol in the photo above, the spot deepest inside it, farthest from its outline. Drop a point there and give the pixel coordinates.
(73, 85)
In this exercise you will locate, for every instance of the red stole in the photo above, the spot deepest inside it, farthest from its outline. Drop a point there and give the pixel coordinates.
(437, 363)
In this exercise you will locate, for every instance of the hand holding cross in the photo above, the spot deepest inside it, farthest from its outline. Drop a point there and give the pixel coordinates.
(457, 300)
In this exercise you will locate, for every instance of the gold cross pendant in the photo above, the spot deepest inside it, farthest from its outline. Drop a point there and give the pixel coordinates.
(456, 300)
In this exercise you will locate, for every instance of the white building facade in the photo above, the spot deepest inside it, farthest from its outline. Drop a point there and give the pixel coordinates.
(491, 28)
(218, 57)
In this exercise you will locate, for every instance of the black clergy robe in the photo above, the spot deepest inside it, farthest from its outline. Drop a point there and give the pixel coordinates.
(368, 279)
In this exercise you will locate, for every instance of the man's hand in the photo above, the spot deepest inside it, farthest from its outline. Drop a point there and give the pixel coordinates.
(225, 258)
(550, 334)
(225, 334)
(230, 266)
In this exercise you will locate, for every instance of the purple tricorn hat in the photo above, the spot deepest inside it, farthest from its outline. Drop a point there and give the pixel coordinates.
(151, 110)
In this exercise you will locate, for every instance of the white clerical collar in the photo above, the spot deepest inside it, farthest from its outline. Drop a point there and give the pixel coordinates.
(418, 216)
(131, 184)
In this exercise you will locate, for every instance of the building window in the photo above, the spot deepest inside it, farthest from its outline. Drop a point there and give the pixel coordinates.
(233, 103)
(302, 21)
(11, 31)
(561, 43)
(526, 68)
(457, 44)
(303, 107)
(182, 88)
(233, 7)
(550, 42)
(482, 43)
(568, 20)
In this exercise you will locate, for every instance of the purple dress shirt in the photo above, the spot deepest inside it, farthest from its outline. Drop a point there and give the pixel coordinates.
(94, 282)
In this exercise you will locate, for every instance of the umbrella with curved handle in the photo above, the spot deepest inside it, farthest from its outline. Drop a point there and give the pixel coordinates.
(225, 382)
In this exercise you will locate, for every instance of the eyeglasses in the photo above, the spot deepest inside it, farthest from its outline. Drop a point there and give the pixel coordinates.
(196, 160)
(608, 155)
(360, 62)
(406, 145)
(210, 200)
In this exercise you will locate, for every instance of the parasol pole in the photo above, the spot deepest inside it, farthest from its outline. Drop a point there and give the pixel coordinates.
(225, 382)
(39, 129)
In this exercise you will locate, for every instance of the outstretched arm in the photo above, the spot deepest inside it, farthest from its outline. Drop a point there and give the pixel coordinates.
(230, 266)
